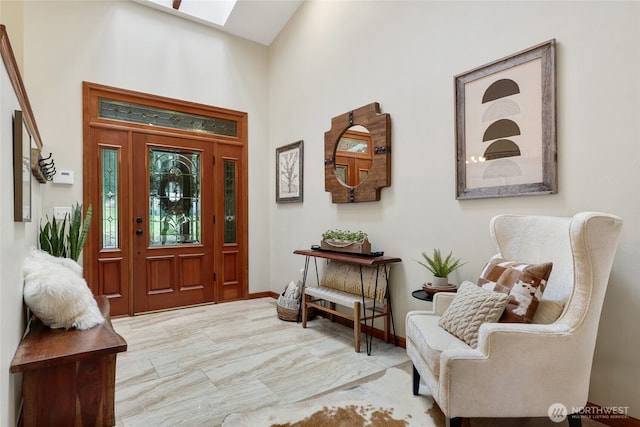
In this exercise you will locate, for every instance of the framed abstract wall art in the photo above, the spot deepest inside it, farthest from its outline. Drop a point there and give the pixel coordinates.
(506, 126)
(289, 171)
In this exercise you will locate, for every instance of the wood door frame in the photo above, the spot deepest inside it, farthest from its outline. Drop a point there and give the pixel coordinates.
(91, 93)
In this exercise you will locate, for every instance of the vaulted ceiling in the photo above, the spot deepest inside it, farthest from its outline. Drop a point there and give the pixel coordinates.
(256, 20)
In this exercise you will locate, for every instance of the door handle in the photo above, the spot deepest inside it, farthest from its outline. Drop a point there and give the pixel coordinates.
(139, 232)
(139, 220)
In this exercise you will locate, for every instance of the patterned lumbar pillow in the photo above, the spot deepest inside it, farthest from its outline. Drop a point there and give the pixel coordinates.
(523, 282)
(471, 307)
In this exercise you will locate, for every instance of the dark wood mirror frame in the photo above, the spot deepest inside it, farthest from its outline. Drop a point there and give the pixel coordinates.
(379, 126)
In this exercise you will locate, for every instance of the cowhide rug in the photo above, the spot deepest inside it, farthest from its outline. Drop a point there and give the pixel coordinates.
(384, 402)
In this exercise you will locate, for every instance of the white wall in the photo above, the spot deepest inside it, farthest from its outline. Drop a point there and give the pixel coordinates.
(16, 238)
(127, 45)
(337, 56)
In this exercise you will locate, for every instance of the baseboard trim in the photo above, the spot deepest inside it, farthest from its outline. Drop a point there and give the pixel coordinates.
(263, 295)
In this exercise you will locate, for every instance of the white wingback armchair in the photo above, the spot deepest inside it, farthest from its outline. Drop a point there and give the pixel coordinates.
(521, 369)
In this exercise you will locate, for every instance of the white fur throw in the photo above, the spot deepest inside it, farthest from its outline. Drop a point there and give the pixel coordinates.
(57, 294)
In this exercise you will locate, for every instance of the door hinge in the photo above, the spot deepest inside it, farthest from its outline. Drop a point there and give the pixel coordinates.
(214, 219)
(214, 277)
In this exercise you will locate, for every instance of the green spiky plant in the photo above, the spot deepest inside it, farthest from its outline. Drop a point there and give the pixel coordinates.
(52, 237)
(439, 266)
(78, 231)
(66, 239)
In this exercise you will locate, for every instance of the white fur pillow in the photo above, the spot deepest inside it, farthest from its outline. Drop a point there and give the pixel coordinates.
(57, 294)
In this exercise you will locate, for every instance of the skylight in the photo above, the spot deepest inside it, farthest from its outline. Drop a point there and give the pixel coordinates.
(212, 11)
(256, 20)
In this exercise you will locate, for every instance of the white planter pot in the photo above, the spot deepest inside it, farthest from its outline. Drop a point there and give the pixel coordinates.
(440, 282)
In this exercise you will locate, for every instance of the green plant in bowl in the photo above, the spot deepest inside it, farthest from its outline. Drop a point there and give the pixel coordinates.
(344, 236)
(441, 267)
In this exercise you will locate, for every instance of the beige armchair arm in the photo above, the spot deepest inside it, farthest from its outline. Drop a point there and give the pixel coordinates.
(441, 301)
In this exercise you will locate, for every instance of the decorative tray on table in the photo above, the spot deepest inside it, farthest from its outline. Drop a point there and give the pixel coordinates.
(372, 254)
(430, 289)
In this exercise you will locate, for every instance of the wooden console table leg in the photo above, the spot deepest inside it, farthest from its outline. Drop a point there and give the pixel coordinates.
(386, 322)
(356, 325)
(303, 306)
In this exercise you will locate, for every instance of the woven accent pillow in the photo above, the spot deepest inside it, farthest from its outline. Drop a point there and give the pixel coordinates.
(523, 282)
(471, 307)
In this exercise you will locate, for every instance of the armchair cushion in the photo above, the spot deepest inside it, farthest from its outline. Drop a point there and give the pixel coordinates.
(430, 339)
(523, 282)
(548, 312)
(471, 307)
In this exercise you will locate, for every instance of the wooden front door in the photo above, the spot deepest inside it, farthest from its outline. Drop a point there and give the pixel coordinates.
(173, 255)
(169, 209)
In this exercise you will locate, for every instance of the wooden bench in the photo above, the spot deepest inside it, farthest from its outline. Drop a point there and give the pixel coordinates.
(361, 288)
(69, 375)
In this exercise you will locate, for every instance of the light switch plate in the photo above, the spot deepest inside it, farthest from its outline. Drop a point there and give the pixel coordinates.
(60, 212)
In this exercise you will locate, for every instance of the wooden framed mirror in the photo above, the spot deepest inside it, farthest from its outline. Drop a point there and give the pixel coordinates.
(357, 155)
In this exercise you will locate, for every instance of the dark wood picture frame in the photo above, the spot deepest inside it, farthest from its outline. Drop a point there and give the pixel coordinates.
(506, 126)
(21, 170)
(289, 173)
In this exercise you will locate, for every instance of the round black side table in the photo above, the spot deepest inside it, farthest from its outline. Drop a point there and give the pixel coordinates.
(422, 295)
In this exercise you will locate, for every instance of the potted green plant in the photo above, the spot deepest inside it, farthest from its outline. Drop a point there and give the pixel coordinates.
(66, 239)
(440, 267)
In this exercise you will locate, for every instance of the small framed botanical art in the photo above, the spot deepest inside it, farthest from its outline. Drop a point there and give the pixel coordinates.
(506, 126)
(289, 173)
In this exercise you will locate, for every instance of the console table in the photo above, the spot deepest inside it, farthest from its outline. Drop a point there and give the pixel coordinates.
(378, 262)
(69, 375)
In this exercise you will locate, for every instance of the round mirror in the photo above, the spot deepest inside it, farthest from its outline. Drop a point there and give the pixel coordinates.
(354, 156)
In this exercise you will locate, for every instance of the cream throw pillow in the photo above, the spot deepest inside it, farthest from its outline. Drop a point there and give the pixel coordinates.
(471, 307)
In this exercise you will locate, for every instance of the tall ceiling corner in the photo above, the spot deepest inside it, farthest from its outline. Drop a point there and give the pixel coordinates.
(257, 20)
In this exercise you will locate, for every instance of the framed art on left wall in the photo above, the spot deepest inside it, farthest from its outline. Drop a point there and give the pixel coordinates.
(21, 170)
(289, 173)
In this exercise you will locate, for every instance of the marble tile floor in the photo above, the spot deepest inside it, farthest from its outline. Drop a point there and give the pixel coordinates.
(193, 366)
